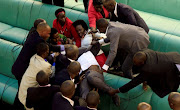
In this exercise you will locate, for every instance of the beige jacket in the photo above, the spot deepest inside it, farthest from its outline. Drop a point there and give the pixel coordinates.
(36, 64)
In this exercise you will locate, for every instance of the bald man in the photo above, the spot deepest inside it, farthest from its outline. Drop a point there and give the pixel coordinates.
(29, 49)
(124, 14)
(123, 38)
(144, 106)
(160, 70)
(174, 100)
(92, 100)
(62, 101)
(68, 73)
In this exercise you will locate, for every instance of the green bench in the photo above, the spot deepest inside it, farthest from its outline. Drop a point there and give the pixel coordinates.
(17, 17)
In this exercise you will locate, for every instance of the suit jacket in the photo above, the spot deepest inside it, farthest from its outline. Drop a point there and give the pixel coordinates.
(129, 16)
(29, 49)
(36, 64)
(61, 76)
(159, 71)
(127, 37)
(60, 103)
(40, 98)
(62, 62)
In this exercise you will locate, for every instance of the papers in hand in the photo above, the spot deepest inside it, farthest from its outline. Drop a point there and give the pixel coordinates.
(86, 60)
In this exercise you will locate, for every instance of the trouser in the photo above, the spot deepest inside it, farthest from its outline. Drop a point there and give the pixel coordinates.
(92, 79)
(127, 66)
(56, 2)
(86, 2)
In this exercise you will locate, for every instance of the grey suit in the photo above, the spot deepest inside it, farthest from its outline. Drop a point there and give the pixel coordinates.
(128, 38)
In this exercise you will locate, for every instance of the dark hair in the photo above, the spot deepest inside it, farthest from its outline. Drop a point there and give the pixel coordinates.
(82, 23)
(53, 31)
(59, 10)
(97, 2)
(42, 48)
(42, 78)
(36, 22)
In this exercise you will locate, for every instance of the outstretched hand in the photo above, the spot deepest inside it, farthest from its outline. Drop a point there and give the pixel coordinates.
(113, 92)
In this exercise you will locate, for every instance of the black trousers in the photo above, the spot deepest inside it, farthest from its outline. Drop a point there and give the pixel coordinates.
(56, 2)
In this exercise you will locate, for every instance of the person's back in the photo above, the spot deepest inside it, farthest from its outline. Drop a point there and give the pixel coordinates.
(174, 100)
(36, 64)
(62, 101)
(144, 106)
(40, 98)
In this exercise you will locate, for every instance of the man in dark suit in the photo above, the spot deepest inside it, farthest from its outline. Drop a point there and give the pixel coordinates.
(62, 61)
(68, 73)
(160, 70)
(40, 98)
(124, 14)
(62, 101)
(29, 49)
(92, 99)
(124, 37)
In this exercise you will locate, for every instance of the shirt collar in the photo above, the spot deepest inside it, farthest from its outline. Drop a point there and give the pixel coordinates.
(70, 101)
(71, 60)
(92, 108)
(115, 10)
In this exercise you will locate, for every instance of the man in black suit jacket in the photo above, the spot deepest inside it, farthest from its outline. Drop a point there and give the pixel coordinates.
(40, 98)
(92, 99)
(62, 101)
(159, 69)
(29, 49)
(70, 73)
(124, 14)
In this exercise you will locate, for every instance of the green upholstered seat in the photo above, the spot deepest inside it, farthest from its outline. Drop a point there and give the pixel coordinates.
(4, 27)
(8, 55)
(16, 35)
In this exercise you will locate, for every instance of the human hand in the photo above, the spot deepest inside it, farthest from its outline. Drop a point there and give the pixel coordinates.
(113, 92)
(82, 77)
(94, 42)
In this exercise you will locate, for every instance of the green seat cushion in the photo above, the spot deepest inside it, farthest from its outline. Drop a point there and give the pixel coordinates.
(129, 100)
(10, 91)
(71, 4)
(8, 55)
(4, 27)
(3, 81)
(16, 35)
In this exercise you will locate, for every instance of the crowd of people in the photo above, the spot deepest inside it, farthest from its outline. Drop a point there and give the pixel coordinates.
(75, 51)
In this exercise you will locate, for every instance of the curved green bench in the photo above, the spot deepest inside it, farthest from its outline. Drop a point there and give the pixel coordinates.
(18, 16)
(14, 26)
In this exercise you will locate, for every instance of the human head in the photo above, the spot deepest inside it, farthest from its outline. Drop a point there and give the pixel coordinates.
(144, 106)
(81, 27)
(42, 78)
(67, 88)
(54, 36)
(174, 100)
(72, 51)
(98, 5)
(109, 5)
(74, 69)
(37, 21)
(60, 15)
(42, 50)
(139, 58)
(92, 99)
(44, 30)
(102, 25)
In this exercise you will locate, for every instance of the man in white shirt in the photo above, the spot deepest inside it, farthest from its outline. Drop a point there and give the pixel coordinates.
(93, 76)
